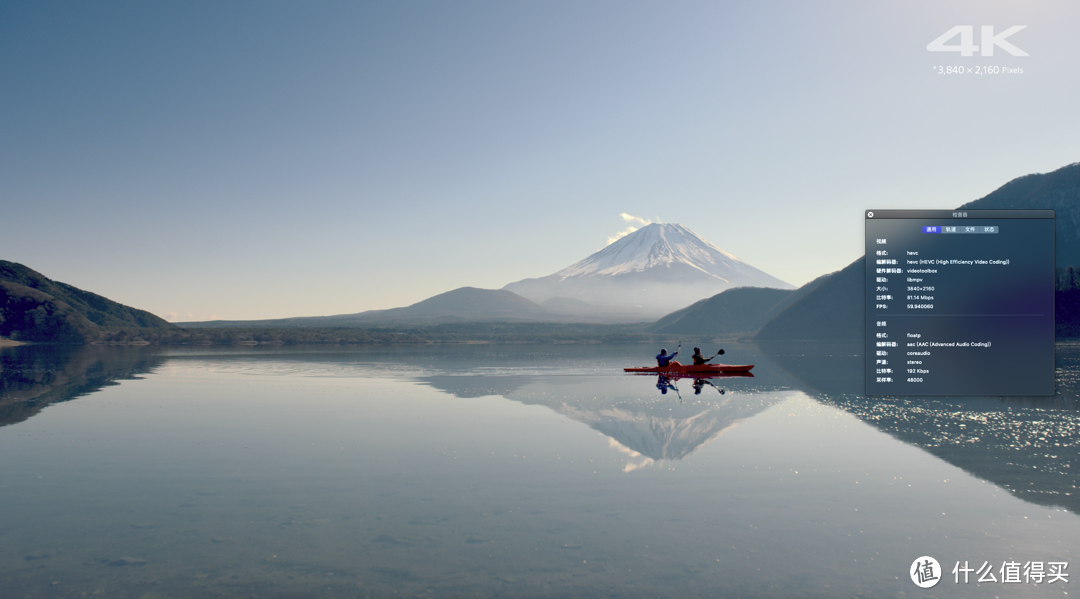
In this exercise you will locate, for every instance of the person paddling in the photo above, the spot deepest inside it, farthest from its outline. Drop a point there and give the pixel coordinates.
(663, 359)
(700, 360)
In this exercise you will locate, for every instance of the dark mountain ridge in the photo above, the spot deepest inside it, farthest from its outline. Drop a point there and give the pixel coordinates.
(1058, 191)
(830, 311)
(834, 311)
(733, 312)
(34, 307)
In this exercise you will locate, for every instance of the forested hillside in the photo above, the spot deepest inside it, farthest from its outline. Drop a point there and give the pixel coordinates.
(34, 307)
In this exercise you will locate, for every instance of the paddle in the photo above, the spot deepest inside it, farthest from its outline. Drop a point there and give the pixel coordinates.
(719, 353)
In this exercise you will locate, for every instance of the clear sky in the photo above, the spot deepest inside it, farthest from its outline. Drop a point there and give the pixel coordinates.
(270, 159)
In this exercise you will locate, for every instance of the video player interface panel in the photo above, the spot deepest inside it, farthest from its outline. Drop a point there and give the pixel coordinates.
(960, 302)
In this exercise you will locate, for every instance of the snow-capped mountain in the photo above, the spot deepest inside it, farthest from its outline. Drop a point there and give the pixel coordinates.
(653, 271)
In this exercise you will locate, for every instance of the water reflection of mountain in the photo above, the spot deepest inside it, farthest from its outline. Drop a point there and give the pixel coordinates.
(662, 431)
(34, 376)
(631, 411)
(1030, 446)
(478, 386)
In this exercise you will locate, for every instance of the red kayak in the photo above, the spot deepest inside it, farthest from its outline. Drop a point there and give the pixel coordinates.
(678, 376)
(691, 369)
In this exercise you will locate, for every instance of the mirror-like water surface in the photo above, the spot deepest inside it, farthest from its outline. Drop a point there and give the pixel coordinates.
(515, 471)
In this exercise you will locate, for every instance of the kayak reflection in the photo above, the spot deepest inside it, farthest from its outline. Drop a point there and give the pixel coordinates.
(665, 382)
(699, 384)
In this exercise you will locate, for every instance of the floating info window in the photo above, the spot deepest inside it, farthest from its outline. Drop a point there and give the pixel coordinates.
(960, 302)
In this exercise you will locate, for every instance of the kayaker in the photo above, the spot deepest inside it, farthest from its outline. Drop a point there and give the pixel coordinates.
(699, 359)
(663, 359)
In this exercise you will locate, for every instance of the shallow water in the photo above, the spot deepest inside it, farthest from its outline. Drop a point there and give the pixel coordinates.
(515, 471)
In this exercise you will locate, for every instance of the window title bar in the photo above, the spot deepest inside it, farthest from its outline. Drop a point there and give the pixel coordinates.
(957, 214)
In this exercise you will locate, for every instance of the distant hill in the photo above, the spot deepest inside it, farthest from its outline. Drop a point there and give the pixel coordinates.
(33, 307)
(730, 313)
(646, 274)
(831, 309)
(465, 304)
(793, 297)
(834, 311)
(738, 312)
(1058, 191)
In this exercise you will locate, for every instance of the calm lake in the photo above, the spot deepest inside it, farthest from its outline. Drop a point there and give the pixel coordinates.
(519, 471)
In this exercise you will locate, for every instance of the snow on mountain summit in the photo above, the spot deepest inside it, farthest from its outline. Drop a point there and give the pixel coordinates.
(648, 273)
(652, 246)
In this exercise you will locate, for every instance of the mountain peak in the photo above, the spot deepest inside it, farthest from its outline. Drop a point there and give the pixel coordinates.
(654, 245)
(659, 268)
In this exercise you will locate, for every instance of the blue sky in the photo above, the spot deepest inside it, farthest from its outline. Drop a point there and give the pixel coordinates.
(273, 159)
